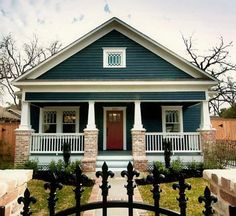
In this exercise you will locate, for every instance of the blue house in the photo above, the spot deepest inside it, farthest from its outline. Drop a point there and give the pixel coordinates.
(115, 95)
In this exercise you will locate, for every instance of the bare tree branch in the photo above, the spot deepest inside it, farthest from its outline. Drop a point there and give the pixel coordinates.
(15, 61)
(217, 64)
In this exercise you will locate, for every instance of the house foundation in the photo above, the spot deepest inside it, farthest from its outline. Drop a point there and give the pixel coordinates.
(22, 148)
(90, 150)
(139, 150)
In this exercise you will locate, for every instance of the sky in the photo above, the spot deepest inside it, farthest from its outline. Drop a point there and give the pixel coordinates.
(164, 21)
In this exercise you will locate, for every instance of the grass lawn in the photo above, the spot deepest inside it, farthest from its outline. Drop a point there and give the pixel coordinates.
(169, 195)
(65, 197)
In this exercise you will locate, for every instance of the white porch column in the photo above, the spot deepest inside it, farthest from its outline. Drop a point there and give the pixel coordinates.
(137, 116)
(25, 116)
(205, 117)
(91, 117)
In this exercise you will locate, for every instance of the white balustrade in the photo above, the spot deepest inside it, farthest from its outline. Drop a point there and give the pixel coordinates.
(180, 142)
(42, 143)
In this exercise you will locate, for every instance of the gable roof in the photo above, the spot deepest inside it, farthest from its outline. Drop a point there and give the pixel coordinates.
(122, 27)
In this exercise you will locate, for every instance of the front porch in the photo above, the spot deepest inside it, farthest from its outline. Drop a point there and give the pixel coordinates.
(137, 127)
(45, 147)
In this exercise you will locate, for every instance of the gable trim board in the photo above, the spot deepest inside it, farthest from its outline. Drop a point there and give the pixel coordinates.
(128, 31)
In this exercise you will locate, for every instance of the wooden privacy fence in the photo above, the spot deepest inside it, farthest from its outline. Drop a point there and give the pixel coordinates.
(130, 173)
(7, 140)
(225, 128)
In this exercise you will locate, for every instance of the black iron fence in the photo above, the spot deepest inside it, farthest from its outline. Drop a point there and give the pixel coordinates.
(130, 174)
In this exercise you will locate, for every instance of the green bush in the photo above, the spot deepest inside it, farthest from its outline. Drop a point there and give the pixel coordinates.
(161, 167)
(60, 166)
(30, 164)
(177, 165)
(194, 165)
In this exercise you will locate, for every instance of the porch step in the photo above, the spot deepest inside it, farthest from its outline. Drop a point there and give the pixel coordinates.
(116, 161)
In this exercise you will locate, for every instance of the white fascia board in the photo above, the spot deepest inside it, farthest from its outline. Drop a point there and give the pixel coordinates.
(111, 83)
(116, 86)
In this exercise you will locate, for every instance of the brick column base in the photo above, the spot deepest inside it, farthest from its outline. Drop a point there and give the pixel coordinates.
(139, 150)
(208, 140)
(22, 150)
(90, 150)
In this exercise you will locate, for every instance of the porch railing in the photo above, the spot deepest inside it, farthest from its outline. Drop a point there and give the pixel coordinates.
(53, 143)
(181, 142)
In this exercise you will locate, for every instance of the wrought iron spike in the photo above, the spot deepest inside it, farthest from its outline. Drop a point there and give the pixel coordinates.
(52, 199)
(80, 180)
(130, 173)
(26, 200)
(208, 199)
(182, 186)
(155, 178)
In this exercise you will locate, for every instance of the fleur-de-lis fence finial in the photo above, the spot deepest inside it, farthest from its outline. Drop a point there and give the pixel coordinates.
(26, 200)
(182, 186)
(130, 173)
(52, 199)
(155, 178)
(208, 199)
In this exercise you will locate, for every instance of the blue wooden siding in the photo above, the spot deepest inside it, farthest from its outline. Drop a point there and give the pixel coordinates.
(34, 117)
(152, 116)
(114, 96)
(191, 117)
(141, 64)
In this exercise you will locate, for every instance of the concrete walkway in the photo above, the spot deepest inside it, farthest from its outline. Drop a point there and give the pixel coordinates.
(116, 192)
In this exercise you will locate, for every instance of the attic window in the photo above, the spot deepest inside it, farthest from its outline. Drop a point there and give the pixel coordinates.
(114, 57)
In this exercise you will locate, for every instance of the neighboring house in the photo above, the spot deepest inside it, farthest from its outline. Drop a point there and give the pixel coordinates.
(9, 115)
(114, 95)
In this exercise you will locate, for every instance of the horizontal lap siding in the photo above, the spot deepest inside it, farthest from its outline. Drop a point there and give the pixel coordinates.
(152, 116)
(67, 96)
(141, 63)
(192, 117)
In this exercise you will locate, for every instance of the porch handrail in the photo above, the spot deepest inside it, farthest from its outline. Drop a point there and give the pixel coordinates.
(180, 142)
(52, 142)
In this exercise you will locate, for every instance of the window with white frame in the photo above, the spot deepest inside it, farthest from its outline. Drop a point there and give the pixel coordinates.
(59, 120)
(172, 120)
(114, 57)
(49, 121)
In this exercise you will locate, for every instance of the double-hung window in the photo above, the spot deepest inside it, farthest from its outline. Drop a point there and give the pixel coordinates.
(114, 57)
(172, 120)
(59, 120)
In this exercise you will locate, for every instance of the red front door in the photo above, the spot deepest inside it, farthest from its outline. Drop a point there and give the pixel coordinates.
(114, 130)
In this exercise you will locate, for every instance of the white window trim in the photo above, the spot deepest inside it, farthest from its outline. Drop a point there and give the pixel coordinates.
(106, 50)
(105, 109)
(180, 111)
(59, 122)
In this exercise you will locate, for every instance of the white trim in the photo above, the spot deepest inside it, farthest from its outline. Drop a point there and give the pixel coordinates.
(111, 83)
(59, 111)
(105, 109)
(115, 24)
(107, 50)
(180, 111)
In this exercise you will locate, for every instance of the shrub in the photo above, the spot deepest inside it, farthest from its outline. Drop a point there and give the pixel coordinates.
(161, 167)
(60, 166)
(30, 164)
(177, 165)
(194, 165)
